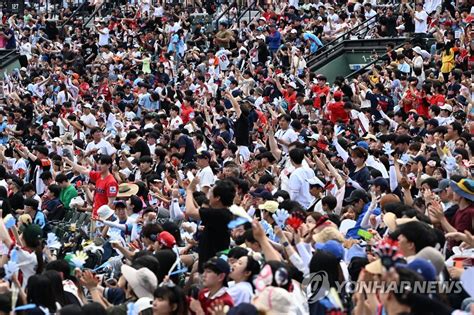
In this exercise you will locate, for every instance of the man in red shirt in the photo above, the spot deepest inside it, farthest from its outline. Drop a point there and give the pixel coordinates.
(320, 89)
(106, 187)
(336, 110)
(214, 280)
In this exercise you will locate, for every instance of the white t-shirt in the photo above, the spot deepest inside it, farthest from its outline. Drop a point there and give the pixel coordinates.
(104, 38)
(27, 263)
(241, 292)
(288, 135)
(299, 187)
(421, 26)
(103, 147)
(89, 120)
(175, 123)
(206, 177)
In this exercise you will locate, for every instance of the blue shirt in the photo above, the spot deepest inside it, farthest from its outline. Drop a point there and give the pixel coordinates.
(352, 233)
(3, 138)
(274, 41)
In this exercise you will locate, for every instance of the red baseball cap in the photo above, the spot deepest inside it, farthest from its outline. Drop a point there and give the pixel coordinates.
(166, 239)
(338, 94)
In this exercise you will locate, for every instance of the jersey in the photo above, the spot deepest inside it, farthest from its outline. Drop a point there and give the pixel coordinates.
(105, 188)
(223, 59)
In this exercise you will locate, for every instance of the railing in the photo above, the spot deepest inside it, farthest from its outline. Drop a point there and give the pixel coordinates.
(225, 12)
(364, 26)
(248, 10)
(79, 9)
(97, 10)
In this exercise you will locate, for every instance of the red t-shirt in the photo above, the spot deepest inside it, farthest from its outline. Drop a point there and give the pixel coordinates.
(290, 98)
(318, 91)
(104, 188)
(207, 302)
(337, 112)
(187, 113)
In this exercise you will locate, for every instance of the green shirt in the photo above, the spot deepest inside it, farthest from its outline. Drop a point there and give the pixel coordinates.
(67, 194)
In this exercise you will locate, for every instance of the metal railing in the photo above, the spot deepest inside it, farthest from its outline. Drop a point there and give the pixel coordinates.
(80, 8)
(248, 10)
(356, 30)
(97, 10)
(226, 13)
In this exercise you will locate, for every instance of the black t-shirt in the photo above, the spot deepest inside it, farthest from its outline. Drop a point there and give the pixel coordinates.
(16, 201)
(185, 142)
(242, 131)
(141, 147)
(215, 236)
(89, 50)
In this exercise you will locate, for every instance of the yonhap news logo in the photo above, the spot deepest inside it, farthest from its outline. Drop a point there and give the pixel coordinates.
(316, 286)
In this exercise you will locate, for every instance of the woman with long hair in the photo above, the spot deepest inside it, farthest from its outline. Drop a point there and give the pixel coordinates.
(169, 301)
(39, 292)
(243, 272)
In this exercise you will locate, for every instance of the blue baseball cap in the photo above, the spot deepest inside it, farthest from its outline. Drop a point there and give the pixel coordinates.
(363, 144)
(333, 247)
(424, 268)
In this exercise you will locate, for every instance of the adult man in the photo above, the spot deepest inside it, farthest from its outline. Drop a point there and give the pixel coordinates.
(206, 176)
(68, 191)
(87, 119)
(106, 186)
(298, 184)
(99, 145)
(138, 145)
(420, 18)
(41, 162)
(316, 189)
(285, 135)
(215, 236)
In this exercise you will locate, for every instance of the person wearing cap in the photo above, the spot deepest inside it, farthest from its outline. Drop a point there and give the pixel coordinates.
(445, 193)
(88, 119)
(445, 117)
(215, 275)
(289, 94)
(377, 99)
(359, 200)
(463, 196)
(316, 189)
(205, 174)
(336, 110)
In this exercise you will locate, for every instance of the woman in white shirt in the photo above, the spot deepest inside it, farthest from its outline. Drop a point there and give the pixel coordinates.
(243, 272)
(417, 65)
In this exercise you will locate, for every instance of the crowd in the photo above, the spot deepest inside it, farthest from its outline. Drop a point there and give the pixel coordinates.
(214, 173)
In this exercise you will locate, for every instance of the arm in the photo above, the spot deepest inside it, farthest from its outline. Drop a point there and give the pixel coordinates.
(268, 251)
(175, 212)
(234, 103)
(81, 169)
(192, 210)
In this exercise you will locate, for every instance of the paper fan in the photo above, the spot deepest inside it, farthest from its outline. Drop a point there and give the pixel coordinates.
(294, 221)
(387, 149)
(79, 259)
(404, 159)
(9, 221)
(280, 217)
(52, 241)
(10, 269)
